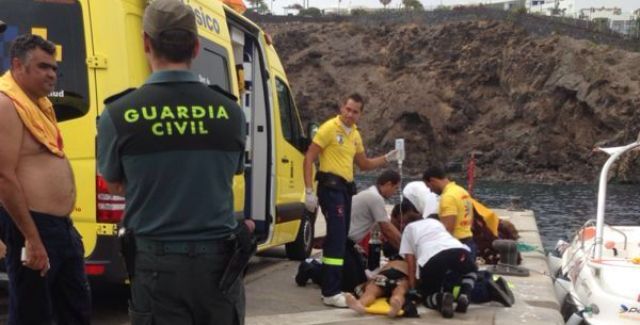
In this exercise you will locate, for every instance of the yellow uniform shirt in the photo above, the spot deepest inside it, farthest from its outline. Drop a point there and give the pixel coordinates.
(456, 201)
(338, 148)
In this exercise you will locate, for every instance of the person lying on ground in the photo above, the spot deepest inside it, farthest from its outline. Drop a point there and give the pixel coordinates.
(431, 250)
(390, 282)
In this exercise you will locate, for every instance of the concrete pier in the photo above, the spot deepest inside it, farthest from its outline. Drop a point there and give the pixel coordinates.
(274, 298)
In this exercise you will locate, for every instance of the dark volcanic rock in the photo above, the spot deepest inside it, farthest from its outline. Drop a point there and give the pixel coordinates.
(531, 106)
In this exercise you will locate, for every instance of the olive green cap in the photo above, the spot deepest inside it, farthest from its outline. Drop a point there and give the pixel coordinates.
(164, 15)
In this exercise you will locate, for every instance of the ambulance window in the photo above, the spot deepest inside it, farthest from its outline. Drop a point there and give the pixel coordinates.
(291, 128)
(211, 65)
(60, 22)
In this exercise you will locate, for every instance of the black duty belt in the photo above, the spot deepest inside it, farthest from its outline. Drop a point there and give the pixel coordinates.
(183, 247)
(335, 182)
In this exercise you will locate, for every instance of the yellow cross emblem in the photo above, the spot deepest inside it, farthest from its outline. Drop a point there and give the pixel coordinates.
(42, 32)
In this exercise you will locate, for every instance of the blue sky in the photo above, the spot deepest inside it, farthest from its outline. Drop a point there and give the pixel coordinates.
(626, 5)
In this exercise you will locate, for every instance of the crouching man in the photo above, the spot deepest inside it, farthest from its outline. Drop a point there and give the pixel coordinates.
(426, 244)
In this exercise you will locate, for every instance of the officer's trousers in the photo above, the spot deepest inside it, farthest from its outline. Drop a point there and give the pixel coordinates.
(173, 288)
(336, 208)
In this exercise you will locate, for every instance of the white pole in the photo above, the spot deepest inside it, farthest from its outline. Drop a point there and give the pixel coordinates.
(602, 194)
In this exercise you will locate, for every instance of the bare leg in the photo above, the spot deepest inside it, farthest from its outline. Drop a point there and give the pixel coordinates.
(371, 293)
(397, 297)
(354, 303)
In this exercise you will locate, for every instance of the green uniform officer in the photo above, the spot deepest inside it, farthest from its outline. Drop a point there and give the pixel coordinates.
(171, 148)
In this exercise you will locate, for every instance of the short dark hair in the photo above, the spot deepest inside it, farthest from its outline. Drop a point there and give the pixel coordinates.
(402, 216)
(174, 45)
(356, 97)
(26, 43)
(388, 175)
(434, 172)
(412, 216)
(404, 207)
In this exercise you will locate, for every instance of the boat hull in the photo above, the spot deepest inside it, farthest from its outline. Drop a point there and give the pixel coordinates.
(604, 290)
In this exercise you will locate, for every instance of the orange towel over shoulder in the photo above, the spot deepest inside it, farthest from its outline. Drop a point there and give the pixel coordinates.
(39, 118)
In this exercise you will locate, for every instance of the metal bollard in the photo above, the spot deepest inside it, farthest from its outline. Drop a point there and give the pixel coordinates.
(508, 250)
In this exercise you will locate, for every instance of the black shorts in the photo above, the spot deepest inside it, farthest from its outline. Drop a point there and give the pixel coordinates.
(391, 278)
(63, 294)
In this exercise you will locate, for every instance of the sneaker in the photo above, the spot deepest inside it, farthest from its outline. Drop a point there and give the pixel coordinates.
(446, 306)
(337, 300)
(504, 285)
(463, 304)
(497, 294)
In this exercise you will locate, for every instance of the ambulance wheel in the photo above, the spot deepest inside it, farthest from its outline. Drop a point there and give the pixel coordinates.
(301, 247)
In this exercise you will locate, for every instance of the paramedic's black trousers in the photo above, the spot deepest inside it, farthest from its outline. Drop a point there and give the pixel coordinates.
(456, 261)
(336, 208)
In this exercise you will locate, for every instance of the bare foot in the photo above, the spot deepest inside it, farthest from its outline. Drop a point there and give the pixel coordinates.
(354, 303)
(396, 304)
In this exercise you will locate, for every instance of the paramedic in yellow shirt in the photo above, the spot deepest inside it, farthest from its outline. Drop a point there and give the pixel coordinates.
(337, 145)
(455, 208)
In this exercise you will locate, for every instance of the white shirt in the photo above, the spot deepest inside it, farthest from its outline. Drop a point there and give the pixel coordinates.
(421, 197)
(426, 238)
(367, 209)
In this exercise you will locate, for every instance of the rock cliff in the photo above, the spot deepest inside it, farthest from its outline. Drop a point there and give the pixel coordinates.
(531, 107)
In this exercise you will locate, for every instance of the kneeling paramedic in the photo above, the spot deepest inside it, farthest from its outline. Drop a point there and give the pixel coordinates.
(183, 248)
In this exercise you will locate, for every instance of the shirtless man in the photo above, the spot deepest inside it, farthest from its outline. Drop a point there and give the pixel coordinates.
(37, 192)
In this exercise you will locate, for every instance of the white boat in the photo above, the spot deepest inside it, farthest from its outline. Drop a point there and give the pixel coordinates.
(599, 271)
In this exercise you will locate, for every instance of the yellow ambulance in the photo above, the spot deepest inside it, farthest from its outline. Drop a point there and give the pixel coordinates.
(100, 53)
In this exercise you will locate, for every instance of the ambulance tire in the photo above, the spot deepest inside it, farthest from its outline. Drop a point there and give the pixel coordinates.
(301, 248)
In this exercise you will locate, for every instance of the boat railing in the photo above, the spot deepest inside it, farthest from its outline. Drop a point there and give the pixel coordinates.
(621, 233)
(580, 232)
(592, 223)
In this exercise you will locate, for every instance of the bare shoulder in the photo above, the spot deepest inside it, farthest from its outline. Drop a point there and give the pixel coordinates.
(11, 133)
(10, 123)
(8, 112)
